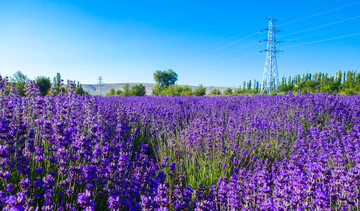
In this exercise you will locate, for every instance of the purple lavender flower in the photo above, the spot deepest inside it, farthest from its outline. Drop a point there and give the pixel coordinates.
(161, 197)
(48, 181)
(165, 159)
(15, 203)
(172, 166)
(86, 201)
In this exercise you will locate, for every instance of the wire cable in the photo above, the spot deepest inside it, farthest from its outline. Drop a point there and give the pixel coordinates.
(317, 27)
(225, 54)
(227, 62)
(294, 21)
(318, 41)
(307, 36)
(321, 13)
(222, 47)
(290, 46)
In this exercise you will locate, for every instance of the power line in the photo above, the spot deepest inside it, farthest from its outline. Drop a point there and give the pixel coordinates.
(232, 37)
(290, 46)
(321, 13)
(340, 21)
(225, 54)
(318, 41)
(307, 36)
(316, 27)
(227, 62)
(294, 21)
(222, 47)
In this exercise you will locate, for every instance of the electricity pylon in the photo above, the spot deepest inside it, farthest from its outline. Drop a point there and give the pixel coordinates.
(270, 80)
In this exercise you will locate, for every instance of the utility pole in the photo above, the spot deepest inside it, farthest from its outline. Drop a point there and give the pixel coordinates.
(270, 80)
(100, 79)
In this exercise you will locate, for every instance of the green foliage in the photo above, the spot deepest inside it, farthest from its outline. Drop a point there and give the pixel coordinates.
(126, 91)
(111, 92)
(199, 91)
(165, 78)
(44, 84)
(349, 91)
(57, 83)
(239, 92)
(165, 81)
(250, 88)
(173, 90)
(19, 77)
(137, 90)
(80, 90)
(215, 92)
(118, 92)
(228, 91)
(343, 83)
(346, 83)
(186, 90)
(156, 90)
(20, 80)
(325, 89)
(249, 85)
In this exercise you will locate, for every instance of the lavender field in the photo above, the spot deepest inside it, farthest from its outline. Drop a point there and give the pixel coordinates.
(284, 152)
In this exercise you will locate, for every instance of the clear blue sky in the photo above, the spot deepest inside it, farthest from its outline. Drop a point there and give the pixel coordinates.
(205, 42)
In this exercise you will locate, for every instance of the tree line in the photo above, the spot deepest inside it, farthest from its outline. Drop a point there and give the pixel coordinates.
(135, 90)
(165, 85)
(18, 81)
(343, 83)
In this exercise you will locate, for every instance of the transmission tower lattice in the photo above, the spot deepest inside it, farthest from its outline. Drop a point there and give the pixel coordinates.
(100, 85)
(270, 80)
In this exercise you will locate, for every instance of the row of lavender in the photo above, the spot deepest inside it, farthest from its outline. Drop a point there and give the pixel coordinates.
(71, 152)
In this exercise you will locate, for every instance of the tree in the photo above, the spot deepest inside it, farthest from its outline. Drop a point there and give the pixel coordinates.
(199, 91)
(20, 80)
(44, 84)
(257, 87)
(137, 90)
(358, 82)
(111, 92)
(338, 78)
(173, 90)
(80, 90)
(57, 80)
(126, 91)
(186, 90)
(249, 85)
(165, 78)
(349, 91)
(118, 92)
(57, 83)
(215, 92)
(229, 91)
(156, 90)
(239, 91)
(19, 77)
